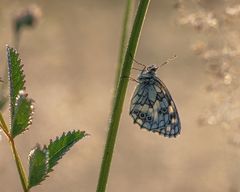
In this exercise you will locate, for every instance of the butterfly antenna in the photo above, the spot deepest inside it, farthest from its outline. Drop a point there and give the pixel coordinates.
(137, 61)
(168, 60)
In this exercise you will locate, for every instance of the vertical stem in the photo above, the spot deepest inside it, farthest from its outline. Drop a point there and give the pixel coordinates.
(120, 95)
(4, 126)
(18, 162)
(20, 168)
(123, 44)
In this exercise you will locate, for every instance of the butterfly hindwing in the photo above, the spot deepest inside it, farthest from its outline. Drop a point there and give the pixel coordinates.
(153, 108)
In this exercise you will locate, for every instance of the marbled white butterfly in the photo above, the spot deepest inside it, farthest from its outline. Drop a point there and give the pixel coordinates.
(152, 106)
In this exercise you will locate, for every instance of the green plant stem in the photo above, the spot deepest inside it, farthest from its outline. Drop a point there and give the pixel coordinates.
(120, 95)
(18, 162)
(20, 168)
(4, 126)
(123, 42)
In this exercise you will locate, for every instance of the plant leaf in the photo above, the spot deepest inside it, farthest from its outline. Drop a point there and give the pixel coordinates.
(38, 166)
(23, 113)
(61, 145)
(16, 77)
(42, 161)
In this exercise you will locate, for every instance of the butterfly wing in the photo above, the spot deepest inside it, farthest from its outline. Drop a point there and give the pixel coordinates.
(153, 108)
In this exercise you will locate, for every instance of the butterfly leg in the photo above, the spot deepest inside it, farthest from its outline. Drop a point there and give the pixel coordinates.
(136, 69)
(130, 78)
(138, 62)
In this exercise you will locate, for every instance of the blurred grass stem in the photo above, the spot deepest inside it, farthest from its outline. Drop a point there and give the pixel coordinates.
(120, 94)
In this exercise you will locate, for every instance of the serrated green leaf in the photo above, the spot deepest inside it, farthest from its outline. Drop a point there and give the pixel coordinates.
(42, 161)
(61, 145)
(15, 75)
(38, 166)
(22, 114)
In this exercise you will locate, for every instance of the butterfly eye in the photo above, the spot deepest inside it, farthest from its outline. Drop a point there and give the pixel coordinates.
(152, 68)
(142, 115)
(149, 68)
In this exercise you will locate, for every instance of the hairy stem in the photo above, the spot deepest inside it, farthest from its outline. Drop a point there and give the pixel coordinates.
(4, 126)
(20, 168)
(18, 162)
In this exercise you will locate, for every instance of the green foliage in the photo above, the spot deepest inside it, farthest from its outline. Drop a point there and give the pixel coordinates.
(42, 161)
(21, 107)
(61, 145)
(22, 114)
(37, 166)
(16, 77)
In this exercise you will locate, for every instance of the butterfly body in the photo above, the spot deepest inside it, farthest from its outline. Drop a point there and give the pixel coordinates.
(152, 106)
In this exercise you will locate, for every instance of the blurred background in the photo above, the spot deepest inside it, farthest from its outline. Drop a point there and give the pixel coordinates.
(70, 58)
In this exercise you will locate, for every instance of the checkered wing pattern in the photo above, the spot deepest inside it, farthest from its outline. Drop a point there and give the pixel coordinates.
(153, 108)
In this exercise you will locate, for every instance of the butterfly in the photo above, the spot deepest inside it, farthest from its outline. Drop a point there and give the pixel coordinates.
(152, 106)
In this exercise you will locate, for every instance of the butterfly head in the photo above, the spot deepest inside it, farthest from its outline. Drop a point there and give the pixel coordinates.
(152, 68)
(148, 74)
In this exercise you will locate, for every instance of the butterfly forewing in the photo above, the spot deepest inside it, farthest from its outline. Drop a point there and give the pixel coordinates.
(152, 106)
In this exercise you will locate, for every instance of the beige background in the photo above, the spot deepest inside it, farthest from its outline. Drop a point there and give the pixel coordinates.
(70, 60)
